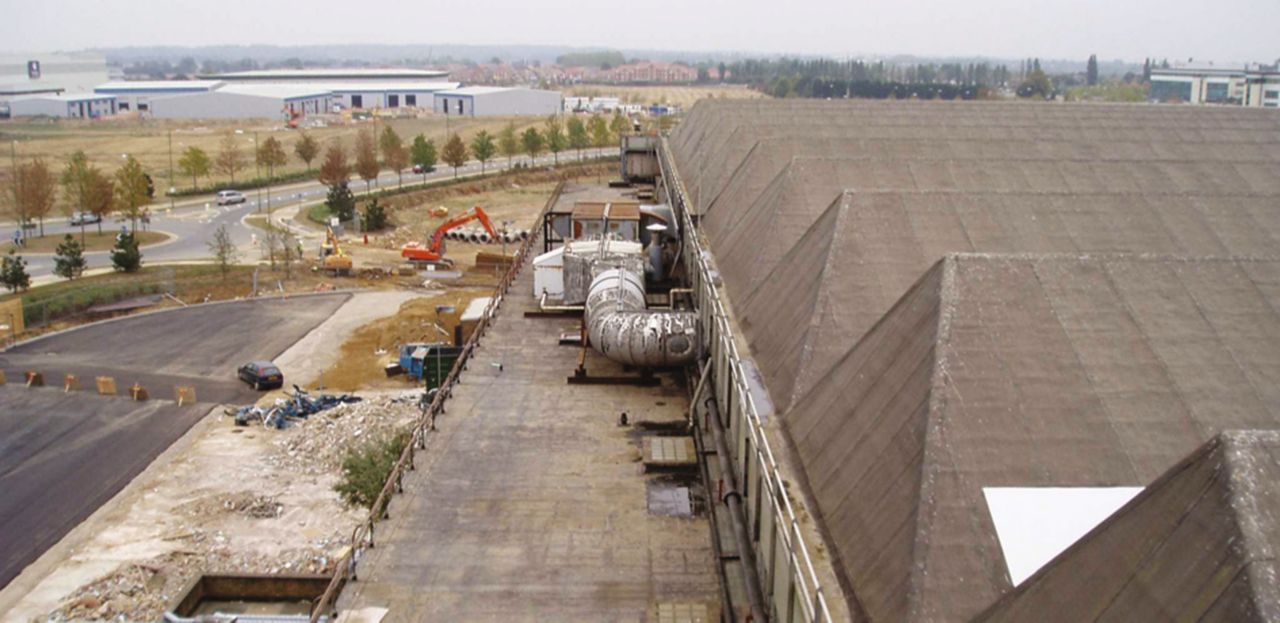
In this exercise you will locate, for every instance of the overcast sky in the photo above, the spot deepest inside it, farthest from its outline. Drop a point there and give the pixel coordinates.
(1222, 30)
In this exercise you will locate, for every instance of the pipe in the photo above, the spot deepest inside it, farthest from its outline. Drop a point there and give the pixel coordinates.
(484, 237)
(542, 305)
(619, 326)
(737, 516)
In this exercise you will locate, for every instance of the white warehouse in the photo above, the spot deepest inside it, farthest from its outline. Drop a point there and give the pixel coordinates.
(137, 95)
(77, 105)
(493, 101)
(243, 101)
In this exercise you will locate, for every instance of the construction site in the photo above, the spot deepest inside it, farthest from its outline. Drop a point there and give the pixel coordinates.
(798, 360)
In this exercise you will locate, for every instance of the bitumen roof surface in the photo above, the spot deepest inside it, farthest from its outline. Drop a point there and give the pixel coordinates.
(949, 296)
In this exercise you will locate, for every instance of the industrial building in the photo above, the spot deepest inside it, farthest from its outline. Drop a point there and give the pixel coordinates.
(71, 105)
(1252, 86)
(493, 101)
(369, 95)
(50, 73)
(337, 74)
(244, 101)
(979, 321)
(137, 95)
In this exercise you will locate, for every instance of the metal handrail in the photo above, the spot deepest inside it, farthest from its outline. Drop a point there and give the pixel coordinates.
(805, 577)
(362, 534)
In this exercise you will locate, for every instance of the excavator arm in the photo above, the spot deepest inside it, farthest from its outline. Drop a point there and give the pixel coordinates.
(434, 251)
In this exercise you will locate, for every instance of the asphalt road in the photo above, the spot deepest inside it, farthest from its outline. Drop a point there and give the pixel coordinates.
(194, 220)
(62, 455)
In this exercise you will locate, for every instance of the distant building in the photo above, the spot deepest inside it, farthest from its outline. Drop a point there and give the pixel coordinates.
(50, 73)
(370, 95)
(1245, 86)
(74, 105)
(493, 101)
(244, 101)
(330, 75)
(138, 95)
(591, 104)
(659, 73)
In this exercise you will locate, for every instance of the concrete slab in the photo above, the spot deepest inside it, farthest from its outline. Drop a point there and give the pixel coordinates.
(529, 503)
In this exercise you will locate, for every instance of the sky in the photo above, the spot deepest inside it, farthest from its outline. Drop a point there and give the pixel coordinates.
(1221, 31)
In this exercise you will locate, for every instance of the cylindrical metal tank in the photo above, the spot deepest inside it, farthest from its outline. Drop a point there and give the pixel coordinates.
(619, 326)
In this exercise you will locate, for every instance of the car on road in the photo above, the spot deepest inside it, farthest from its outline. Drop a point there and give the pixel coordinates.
(228, 197)
(419, 169)
(85, 218)
(261, 375)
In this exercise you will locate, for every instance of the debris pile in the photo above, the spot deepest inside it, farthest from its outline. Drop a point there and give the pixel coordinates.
(298, 406)
(243, 503)
(318, 445)
(140, 591)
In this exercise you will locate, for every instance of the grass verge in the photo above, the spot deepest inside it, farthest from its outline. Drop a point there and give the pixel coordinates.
(93, 241)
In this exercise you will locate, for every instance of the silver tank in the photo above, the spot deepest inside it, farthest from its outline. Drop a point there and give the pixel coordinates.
(619, 326)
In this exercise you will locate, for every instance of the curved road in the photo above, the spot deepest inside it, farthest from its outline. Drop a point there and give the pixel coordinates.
(194, 220)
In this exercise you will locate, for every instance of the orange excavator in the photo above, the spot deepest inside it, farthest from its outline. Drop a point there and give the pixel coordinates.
(433, 253)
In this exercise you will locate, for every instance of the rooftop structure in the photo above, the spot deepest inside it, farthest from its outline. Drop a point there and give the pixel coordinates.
(952, 302)
(328, 74)
(50, 73)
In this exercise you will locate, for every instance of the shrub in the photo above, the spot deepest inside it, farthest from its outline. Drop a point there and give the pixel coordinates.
(365, 469)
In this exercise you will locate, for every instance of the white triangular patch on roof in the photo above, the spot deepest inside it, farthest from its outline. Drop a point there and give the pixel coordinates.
(1035, 524)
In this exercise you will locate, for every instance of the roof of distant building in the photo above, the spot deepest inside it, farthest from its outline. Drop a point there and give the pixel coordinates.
(339, 73)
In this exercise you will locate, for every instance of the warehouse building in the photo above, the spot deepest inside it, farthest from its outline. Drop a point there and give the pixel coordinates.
(310, 76)
(50, 73)
(75, 106)
(138, 95)
(494, 101)
(1006, 345)
(244, 101)
(371, 95)
(1253, 86)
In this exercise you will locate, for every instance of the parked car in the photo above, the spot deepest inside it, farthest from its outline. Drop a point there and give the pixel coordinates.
(419, 169)
(85, 218)
(227, 197)
(261, 375)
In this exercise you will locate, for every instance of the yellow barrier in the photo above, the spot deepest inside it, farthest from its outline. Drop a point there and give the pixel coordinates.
(138, 393)
(185, 395)
(35, 379)
(2, 379)
(106, 386)
(70, 382)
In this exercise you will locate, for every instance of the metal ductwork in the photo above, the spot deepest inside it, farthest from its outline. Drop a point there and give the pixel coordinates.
(619, 326)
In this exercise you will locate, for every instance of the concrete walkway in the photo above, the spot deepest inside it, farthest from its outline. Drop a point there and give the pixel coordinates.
(529, 504)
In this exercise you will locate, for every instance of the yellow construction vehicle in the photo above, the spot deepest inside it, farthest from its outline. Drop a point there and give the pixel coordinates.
(332, 258)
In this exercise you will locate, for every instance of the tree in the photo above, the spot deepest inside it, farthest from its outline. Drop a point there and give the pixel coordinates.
(132, 190)
(721, 68)
(290, 252)
(126, 257)
(334, 170)
(423, 154)
(619, 125)
(13, 272)
(306, 149)
(1037, 83)
(375, 216)
(532, 141)
(270, 154)
(102, 197)
(68, 261)
(340, 202)
(230, 160)
(455, 153)
(366, 158)
(601, 136)
(578, 137)
(223, 249)
(195, 162)
(508, 143)
(34, 191)
(394, 153)
(482, 148)
(1091, 70)
(1146, 70)
(554, 132)
(77, 183)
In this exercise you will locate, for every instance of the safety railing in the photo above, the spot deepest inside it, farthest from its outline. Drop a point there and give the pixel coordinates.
(787, 538)
(362, 536)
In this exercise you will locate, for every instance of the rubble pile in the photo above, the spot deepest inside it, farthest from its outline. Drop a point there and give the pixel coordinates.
(318, 444)
(140, 591)
(244, 503)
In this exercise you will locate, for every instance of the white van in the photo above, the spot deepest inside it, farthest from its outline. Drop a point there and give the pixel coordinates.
(226, 197)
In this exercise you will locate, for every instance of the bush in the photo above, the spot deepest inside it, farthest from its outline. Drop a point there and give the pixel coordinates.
(365, 469)
(126, 257)
(375, 216)
(249, 184)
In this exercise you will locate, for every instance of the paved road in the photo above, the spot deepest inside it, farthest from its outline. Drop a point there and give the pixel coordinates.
(194, 220)
(62, 455)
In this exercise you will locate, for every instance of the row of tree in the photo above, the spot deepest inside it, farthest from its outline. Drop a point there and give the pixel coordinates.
(231, 159)
(32, 191)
